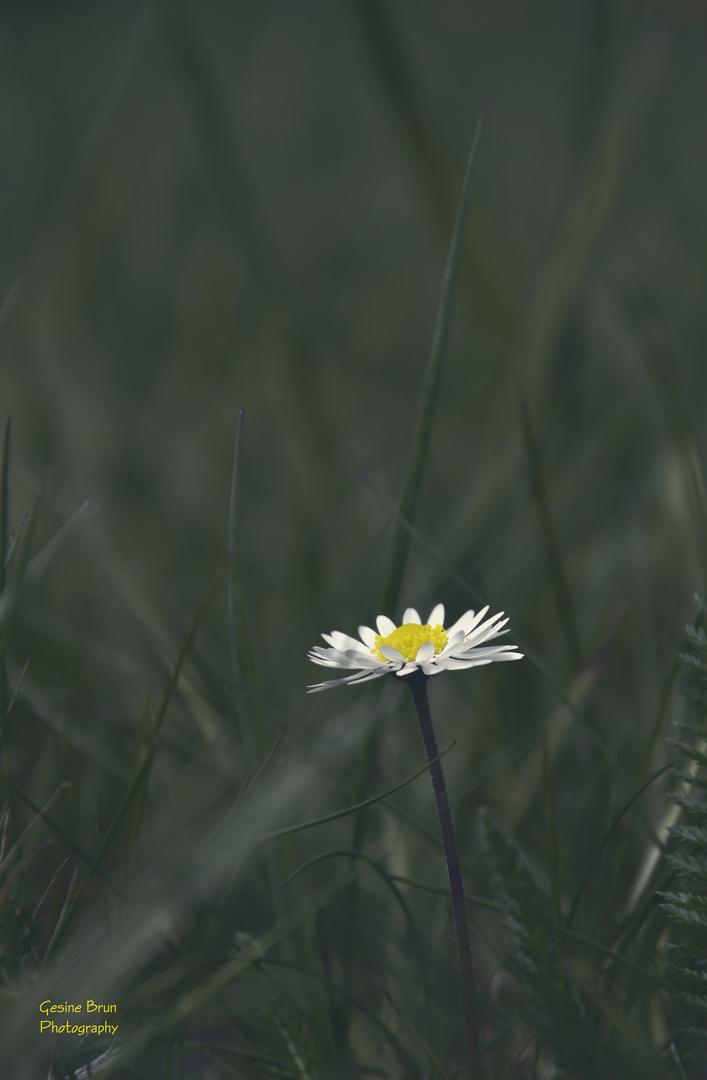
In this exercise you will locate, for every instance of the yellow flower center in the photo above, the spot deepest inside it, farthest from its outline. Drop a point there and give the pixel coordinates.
(408, 638)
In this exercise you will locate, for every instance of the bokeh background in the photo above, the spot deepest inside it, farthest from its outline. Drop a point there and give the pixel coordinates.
(215, 205)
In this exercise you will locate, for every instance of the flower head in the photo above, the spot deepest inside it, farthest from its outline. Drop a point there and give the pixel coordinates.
(413, 646)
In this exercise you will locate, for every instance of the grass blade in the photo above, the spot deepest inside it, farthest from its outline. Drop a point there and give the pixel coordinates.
(250, 707)
(359, 806)
(400, 540)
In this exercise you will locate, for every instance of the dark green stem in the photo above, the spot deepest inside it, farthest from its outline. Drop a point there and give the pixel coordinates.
(417, 684)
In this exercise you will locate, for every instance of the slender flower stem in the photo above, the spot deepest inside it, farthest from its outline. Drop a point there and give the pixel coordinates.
(417, 684)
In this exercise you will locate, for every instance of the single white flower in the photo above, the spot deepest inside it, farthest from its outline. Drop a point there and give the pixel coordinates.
(413, 646)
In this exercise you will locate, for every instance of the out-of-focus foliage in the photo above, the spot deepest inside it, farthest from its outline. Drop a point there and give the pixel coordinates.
(686, 905)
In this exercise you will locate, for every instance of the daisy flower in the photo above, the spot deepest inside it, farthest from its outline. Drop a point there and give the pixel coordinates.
(414, 646)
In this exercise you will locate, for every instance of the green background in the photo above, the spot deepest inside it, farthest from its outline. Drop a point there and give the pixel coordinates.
(219, 205)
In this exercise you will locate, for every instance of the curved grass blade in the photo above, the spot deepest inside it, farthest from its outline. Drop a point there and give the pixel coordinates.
(607, 836)
(387, 879)
(389, 882)
(359, 806)
(248, 787)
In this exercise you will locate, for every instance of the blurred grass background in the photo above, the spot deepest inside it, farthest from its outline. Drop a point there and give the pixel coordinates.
(215, 205)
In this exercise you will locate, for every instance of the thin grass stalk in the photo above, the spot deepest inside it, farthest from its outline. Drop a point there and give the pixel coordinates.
(412, 481)
(359, 806)
(417, 684)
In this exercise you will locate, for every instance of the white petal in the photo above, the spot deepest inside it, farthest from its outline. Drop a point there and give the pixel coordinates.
(357, 648)
(437, 615)
(485, 633)
(461, 665)
(495, 620)
(385, 625)
(411, 615)
(483, 651)
(425, 652)
(453, 642)
(344, 641)
(362, 659)
(407, 670)
(330, 658)
(368, 636)
(350, 680)
(477, 657)
(468, 621)
(392, 654)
